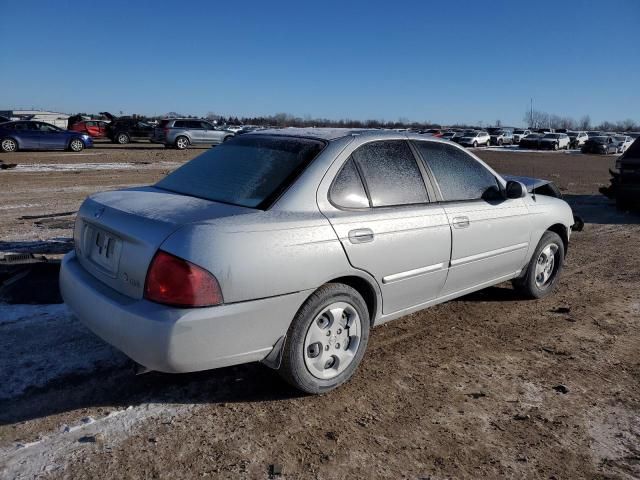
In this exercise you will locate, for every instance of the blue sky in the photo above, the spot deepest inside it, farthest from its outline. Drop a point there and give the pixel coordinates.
(439, 61)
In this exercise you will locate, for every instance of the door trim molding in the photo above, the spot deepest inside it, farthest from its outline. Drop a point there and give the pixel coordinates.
(492, 253)
(412, 273)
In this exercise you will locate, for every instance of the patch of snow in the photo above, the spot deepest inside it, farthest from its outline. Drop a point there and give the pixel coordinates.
(49, 453)
(41, 343)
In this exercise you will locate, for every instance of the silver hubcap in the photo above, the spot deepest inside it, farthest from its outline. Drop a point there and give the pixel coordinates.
(545, 265)
(332, 340)
(182, 143)
(122, 139)
(8, 145)
(76, 145)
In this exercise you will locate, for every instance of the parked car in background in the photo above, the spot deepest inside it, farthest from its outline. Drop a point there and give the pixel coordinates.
(475, 139)
(30, 135)
(269, 248)
(595, 133)
(4, 119)
(519, 134)
(554, 141)
(125, 130)
(531, 141)
(577, 139)
(182, 132)
(93, 128)
(501, 137)
(604, 144)
(624, 142)
(233, 128)
(435, 132)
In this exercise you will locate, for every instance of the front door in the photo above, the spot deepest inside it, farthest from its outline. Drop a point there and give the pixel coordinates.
(490, 234)
(382, 214)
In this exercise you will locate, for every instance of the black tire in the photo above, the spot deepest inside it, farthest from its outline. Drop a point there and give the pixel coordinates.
(76, 145)
(499, 143)
(293, 367)
(527, 284)
(181, 142)
(122, 138)
(8, 145)
(555, 146)
(475, 144)
(228, 137)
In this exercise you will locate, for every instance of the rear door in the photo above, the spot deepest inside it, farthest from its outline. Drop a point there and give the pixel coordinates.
(380, 210)
(490, 234)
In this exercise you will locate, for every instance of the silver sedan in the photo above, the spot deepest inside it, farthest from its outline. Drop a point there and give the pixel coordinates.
(287, 246)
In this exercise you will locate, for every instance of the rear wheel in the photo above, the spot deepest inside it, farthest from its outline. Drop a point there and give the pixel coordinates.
(544, 268)
(326, 340)
(475, 144)
(76, 145)
(555, 146)
(123, 138)
(182, 142)
(9, 145)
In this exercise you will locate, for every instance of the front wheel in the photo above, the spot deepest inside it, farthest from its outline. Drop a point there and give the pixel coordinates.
(9, 145)
(555, 146)
(76, 145)
(475, 144)
(544, 268)
(326, 340)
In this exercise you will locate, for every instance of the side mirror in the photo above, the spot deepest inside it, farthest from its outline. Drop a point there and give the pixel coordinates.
(515, 190)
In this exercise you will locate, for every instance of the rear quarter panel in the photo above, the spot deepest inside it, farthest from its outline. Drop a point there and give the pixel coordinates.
(263, 254)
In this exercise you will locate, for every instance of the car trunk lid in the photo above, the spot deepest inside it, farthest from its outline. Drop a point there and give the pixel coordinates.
(117, 233)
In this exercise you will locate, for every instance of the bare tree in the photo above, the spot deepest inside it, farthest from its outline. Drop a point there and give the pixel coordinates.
(585, 122)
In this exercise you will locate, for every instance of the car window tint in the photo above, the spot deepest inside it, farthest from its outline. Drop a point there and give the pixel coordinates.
(459, 176)
(194, 124)
(347, 189)
(179, 124)
(391, 173)
(249, 170)
(206, 125)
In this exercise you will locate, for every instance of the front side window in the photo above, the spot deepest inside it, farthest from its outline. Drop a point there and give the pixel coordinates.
(347, 190)
(459, 176)
(249, 170)
(391, 174)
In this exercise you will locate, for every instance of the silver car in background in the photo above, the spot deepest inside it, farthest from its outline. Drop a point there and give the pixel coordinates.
(475, 139)
(286, 247)
(182, 132)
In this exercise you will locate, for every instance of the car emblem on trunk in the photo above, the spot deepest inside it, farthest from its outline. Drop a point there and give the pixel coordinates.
(98, 213)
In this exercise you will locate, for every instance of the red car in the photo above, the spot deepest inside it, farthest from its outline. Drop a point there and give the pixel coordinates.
(93, 128)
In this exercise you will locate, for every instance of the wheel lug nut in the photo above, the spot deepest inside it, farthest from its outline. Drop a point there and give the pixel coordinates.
(326, 347)
(339, 331)
(328, 333)
(337, 345)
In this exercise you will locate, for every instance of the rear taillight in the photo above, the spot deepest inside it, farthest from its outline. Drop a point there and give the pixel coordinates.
(174, 281)
(166, 132)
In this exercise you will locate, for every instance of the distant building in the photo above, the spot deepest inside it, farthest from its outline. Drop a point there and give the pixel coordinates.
(54, 118)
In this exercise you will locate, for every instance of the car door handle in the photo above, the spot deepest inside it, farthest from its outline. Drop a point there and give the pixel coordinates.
(460, 222)
(361, 235)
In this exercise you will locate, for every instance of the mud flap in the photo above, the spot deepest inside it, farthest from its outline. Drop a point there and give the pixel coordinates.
(274, 359)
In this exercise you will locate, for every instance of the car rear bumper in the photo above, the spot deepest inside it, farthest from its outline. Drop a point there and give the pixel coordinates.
(175, 340)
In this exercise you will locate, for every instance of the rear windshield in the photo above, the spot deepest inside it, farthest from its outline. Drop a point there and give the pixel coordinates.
(250, 170)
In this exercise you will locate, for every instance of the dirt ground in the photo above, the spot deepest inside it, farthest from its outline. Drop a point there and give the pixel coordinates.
(485, 386)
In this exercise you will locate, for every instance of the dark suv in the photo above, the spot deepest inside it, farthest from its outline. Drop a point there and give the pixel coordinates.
(628, 180)
(125, 130)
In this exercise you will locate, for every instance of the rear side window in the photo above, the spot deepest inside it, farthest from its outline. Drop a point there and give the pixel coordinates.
(391, 174)
(347, 190)
(459, 176)
(194, 124)
(179, 124)
(249, 170)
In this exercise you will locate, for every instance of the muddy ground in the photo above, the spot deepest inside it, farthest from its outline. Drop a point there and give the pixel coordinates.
(486, 386)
